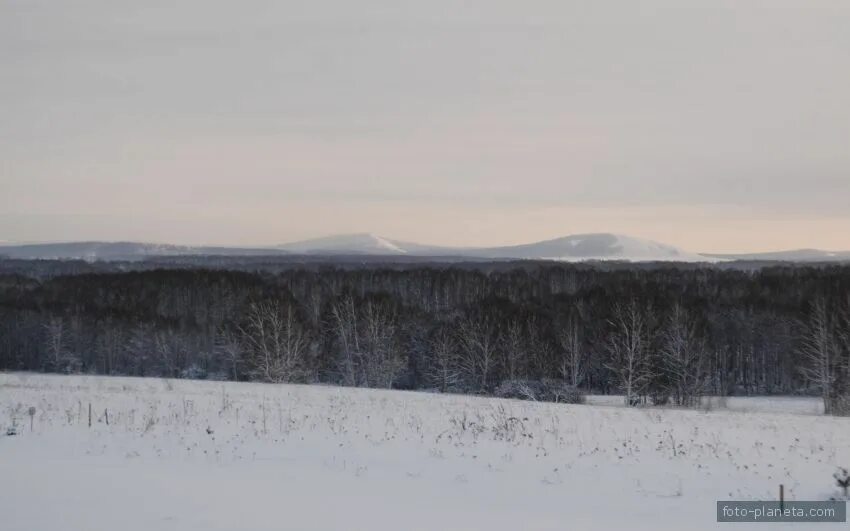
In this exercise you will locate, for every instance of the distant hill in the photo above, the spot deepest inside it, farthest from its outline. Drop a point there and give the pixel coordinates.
(120, 251)
(575, 248)
(579, 247)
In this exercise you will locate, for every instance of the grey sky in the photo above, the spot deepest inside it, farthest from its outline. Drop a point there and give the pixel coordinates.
(714, 125)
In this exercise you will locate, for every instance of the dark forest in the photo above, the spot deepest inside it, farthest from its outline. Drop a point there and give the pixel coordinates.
(662, 334)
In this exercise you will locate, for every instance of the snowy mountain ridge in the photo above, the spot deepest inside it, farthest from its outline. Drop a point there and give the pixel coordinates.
(360, 243)
(573, 248)
(579, 247)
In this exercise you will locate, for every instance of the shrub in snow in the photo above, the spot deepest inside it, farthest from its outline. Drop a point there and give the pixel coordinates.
(521, 389)
(193, 372)
(546, 390)
(561, 391)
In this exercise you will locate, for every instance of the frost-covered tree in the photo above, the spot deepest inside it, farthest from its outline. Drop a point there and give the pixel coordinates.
(380, 356)
(818, 350)
(344, 324)
(478, 341)
(57, 338)
(628, 344)
(841, 393)
(514, 349)
(367, 335)
(275, 342)
(683, 358)
(228, 349)
(442, 369)
(55, 343)
(573, 355)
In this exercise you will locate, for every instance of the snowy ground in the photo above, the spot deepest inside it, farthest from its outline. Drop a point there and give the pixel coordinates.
(298, 457)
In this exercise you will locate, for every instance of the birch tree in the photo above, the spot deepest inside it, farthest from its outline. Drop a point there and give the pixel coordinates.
(818, 349)
(627, 348)
(514, 347)
(443, 370)
(344, 324)
(572, 366)
(55, 343)
(275, 342)
(478, 344)
(683, 358)
(381, 353)
(367, 334)
(841, 402)
(228, 348)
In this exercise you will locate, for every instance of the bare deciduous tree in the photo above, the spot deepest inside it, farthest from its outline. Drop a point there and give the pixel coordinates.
(229, 349)
(683, 357)
(110, 344)
(514, 349)
(275, 342)
(443, 370)
(826, 349)
(573, 356)
(818, 348)
(367, 335)
(55, 340)
(344, 323)
(138, 349)
(59, 356)
(842, 405)
(477, 339)
(539, 348)
(381, 354)
(627, 346)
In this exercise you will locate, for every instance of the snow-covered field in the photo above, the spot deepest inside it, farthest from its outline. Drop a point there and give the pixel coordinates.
(184, 455)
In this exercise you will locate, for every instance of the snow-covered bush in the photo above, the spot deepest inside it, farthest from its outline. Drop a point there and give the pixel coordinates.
(545, 390)
(193, 372)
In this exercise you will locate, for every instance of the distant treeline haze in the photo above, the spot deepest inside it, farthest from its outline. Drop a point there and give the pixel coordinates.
(653, 334)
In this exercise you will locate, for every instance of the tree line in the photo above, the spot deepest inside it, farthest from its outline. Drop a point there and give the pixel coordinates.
(661, 334)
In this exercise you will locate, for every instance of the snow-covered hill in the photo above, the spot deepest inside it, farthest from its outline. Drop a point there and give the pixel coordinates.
(575, 248)
(601, 246)
(364, 243)
(570, 248)
(183, 455)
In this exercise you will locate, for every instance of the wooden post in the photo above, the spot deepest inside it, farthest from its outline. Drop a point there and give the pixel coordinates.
(781, 497)
(89, 414)
(106, 414)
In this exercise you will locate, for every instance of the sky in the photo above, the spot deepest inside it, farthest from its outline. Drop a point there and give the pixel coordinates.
(714, 125)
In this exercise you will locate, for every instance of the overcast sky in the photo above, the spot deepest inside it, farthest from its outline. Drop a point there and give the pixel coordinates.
(709, 124)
